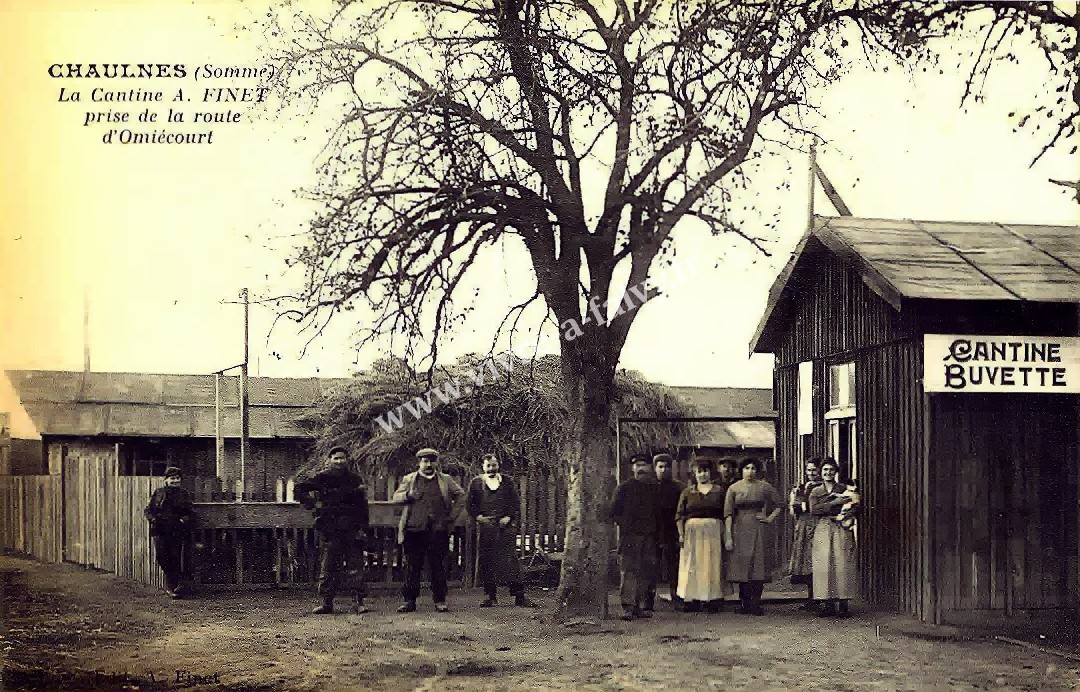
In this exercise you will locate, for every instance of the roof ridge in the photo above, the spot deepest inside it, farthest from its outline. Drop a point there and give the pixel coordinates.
(945, 221)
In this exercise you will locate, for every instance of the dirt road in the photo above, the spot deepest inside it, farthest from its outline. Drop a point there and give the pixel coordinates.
(68, 628)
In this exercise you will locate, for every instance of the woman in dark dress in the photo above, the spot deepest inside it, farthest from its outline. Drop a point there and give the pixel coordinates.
(751, 505)
(801, 564)
(699, 517)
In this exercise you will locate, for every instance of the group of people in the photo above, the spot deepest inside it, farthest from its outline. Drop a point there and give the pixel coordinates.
(705, 537)
(710, 535)
(434, 503)
(823, 553)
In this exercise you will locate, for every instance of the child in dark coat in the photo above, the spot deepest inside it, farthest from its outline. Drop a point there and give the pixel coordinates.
(171, 515)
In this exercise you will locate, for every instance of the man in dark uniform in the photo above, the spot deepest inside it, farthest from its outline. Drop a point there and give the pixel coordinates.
(434, 504)
(634, 510)
(493, 501)
(667, 536)
(337, 495)
(171, 516)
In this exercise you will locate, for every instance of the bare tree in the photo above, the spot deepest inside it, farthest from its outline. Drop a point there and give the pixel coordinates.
(1005, 30)
(586, 129)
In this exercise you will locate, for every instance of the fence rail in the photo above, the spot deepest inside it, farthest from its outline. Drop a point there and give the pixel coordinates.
(245, 544)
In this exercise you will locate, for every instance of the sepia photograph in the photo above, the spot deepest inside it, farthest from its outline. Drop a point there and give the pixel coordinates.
(539, 345)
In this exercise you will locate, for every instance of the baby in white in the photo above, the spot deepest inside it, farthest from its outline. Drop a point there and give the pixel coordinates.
(846, 517)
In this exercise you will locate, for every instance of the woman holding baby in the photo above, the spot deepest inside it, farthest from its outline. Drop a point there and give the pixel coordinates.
(836, 578)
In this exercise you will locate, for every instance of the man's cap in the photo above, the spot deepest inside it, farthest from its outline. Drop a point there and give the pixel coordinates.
(427, 452)
(172, 472)
(662, 457)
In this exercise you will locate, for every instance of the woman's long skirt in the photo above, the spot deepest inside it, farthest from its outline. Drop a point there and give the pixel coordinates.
(701, 575)
(801, 563)
(747, 561)
(835, 567)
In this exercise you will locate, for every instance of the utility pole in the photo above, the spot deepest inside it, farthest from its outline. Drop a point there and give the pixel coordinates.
(244, 398)
(86, 332)
(219, 441)
(812, 184)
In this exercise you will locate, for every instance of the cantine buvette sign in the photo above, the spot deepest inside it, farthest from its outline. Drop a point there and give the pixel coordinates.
(966, 363)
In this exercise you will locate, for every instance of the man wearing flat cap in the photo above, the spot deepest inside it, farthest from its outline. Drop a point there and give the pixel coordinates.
(668, 492)
(434, 504)
(171, 515)
(337, 495)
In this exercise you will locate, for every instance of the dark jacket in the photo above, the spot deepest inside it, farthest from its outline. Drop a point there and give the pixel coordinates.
(668, 492)
(338, 498)
(504, 502)
(170, 512)
(634, 508)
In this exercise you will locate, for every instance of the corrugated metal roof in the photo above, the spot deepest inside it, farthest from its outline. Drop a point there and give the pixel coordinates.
(71, 403)
(728, 401)
(939, 260)
(757, 434)
(166, 390)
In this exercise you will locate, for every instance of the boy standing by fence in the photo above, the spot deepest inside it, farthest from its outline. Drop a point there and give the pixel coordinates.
(171, 515)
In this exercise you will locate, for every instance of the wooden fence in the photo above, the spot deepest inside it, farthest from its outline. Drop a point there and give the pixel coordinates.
(89, 515)
(30, 519)
(275, 544)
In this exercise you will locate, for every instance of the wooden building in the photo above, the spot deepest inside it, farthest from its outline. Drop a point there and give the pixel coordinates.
(141, 423)
(940, 364)
(735, 438)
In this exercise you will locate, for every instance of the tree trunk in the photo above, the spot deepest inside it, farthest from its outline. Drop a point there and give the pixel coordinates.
(589, 375)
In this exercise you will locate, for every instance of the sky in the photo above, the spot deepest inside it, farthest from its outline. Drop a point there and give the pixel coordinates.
(159, 240)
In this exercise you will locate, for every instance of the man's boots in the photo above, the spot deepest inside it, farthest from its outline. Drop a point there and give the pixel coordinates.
(326, 607)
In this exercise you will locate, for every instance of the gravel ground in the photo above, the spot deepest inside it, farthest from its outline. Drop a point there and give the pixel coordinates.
(70, 628)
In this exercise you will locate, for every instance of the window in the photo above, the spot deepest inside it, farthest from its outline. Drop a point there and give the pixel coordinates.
(143, 457)
(805, 409)
(840, 419)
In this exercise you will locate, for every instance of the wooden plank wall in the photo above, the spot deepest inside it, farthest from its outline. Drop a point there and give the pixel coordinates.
(788, 462)
(543, 511)
(838, 318)
(30, 516)
(895, 527)
(106, 527)
(838, 313)
(1007, 502)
